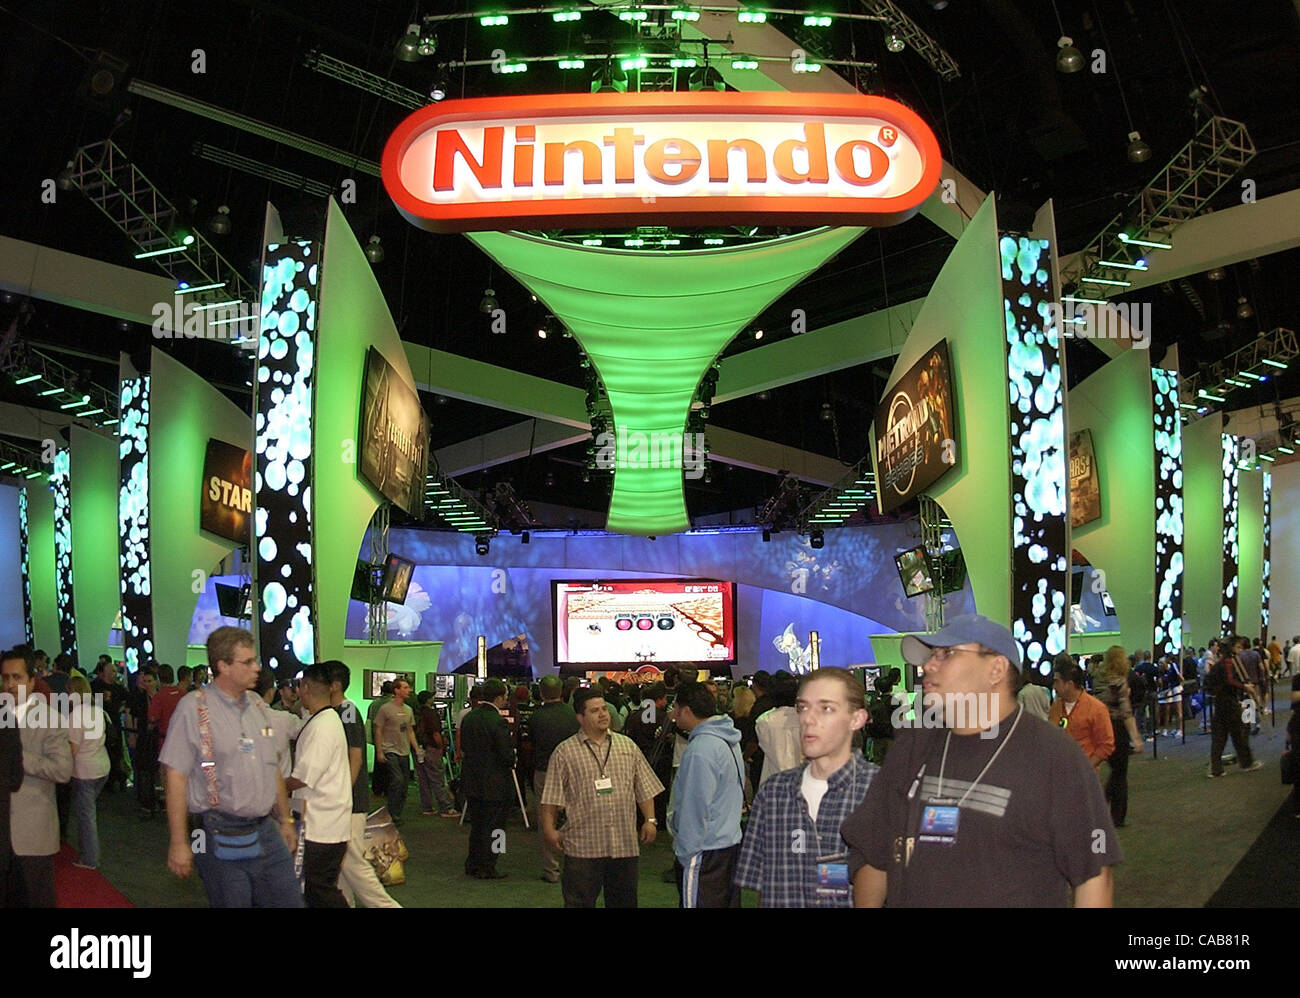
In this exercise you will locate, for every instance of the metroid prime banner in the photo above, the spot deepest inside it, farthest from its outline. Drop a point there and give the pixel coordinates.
(640, 621)
(916, 440)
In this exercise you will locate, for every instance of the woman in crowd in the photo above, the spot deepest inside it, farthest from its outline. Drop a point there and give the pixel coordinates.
(90, 767)
(1110, 686)
(1169, 699)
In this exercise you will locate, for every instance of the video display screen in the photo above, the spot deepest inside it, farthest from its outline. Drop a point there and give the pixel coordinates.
(914, 570)
(1085, 490)
(374, 680)
(394, 436)
(226, 502)
(916, 437)
(397, 578)
(644, 621)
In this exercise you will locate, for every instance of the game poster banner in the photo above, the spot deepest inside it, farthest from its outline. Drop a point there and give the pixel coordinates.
(227, 501)
(394, 436)
(916, 437)
(1085, 490)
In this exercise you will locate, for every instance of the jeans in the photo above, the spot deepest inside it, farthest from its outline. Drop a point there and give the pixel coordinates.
(265, 882)
(321, 862)
(550, 858)
(433, 783)
(583, 879)
(84, 794)
(398, 780)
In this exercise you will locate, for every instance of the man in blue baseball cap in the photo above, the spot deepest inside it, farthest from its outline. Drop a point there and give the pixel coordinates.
(978, 803)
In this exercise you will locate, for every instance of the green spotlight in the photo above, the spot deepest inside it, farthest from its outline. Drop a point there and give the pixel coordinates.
(567, 15)
(816, 21)
(572, 64)
(636, 62)
(494, 20)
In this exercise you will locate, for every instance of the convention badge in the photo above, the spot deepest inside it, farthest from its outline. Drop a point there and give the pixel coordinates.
(604, 785)
(939, 823)
(833, 878)
(246, 744)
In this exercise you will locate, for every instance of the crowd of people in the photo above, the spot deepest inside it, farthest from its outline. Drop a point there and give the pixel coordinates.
(806, 789)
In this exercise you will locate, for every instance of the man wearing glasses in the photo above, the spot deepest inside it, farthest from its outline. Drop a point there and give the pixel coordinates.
(227, 808)
(991, 807)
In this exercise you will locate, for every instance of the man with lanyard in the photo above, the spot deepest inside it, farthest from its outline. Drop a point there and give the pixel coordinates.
(224, 783)
(994, 808)
(793, 853)
(600, 778)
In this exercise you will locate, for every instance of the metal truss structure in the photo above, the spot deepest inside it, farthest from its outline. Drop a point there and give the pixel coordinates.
(911, 34)
(1207, 390)
(20, 462)
(58, 385)
(455, 506)
(841, 501)
(1180, 191)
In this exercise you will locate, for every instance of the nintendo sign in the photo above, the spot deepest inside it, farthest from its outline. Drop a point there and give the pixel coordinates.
(566, 161)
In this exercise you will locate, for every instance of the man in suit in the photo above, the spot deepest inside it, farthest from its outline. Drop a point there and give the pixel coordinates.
(11, 779)
(485, 778)
(47, 761)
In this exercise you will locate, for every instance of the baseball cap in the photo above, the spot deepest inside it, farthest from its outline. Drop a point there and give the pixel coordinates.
(971, 628)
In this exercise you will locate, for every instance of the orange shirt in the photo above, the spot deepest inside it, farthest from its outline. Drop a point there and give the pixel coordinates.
(1089, 725)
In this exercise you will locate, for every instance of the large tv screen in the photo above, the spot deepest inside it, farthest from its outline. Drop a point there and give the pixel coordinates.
(1085, 490)
(226, 505)
(394, 436)
(916, 436)
(633, 622)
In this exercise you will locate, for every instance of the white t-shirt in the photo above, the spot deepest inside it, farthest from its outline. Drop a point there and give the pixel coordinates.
(1293, 659)
(89, 749)
(780, 739)
(321, 762)
(286, 727)
(813, 791)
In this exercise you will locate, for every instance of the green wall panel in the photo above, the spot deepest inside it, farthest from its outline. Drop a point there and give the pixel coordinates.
(40, 542)
(1250, 534)
(965, 307)
(96, 594)
(187, 412)
(1115, 404)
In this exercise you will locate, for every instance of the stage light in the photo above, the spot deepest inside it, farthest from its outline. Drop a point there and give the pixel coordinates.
(1068, 58)
(686, 14)
(26, 378)
(375, 250)
(1138, 151)
(524, 538)
(572, 64)
(408, 48)
(515, 67)
(752, 16)
(64, 180)
(816, 21)
(1216, 274)
(1244, 309)
(894, 43)
(634, 62)
(494, 20)
(744, 63)
(488, 304)
(438, 91)
(481, 544)
(826, 414)
(428, 42)
(631, 15)
(706, 78)
(807, 67)
(567, 15)
(816, 539)
(767, 536)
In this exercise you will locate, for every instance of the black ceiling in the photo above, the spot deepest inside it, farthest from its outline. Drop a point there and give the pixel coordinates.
(1010, 123)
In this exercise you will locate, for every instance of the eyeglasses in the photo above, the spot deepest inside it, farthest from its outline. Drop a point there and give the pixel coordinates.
(246, 661)
(942, 654)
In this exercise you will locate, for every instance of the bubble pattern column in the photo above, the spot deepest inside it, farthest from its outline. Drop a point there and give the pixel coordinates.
(24, 560)
(61, 485)
(1268, 554)
(1039, 534)
(133, 523)
(1168, 440)
(1231, 554)
(284, 579)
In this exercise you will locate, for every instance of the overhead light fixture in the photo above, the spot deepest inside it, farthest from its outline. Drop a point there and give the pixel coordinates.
(632, 14)
(481, 544)
(816, 21)
(1124, 237)
(894, 43)
(1274, 363)
(488, 304)
(375, 250)
(1244, 309)
(686, 14)
(1068, 58)
(438, 91)
(494, 20)
(744, 62)
(1216, 274)
(214, 286)
(758, 334)
(408, 48)
(682, 62)
(514, 67)
(572, 64)
(428, 42)
(163, 252)
(750, 16)
(633, 62)
(807, 67)
(1105, 281)
(1121, 265)
(64, 180)
(1138, 150)
(567, 15)
(85, 399)
(26, 379)
(938, 4)
(816, 539)
(827, 414)
(50, 391)
(219, 224)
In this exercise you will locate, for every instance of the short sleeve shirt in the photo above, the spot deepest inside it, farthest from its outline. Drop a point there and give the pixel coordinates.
(354, 731)
(243, 748)
(321, 762)
(391, 726)
(599, 825)
(1034, 825)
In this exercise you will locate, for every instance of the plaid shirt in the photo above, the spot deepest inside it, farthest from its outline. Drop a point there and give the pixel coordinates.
(783, 844)
(599, 825)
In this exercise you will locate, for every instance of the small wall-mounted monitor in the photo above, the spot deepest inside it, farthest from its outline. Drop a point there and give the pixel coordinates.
(441, 684)
(914, 571)
(396, 579)
(234, 601)
(372, 681)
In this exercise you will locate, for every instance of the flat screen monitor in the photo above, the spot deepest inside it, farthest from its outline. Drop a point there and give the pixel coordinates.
(953, 564)
(626, 623)
(394, 436)
(374, 679)
(914, 571)
(364, 582)
(396, 579)
(441, 685)
(234, 601)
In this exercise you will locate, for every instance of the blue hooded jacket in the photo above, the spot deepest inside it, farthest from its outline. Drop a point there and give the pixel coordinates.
(709, 790)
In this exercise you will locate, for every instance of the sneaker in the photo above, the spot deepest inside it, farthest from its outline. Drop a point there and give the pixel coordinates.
(83, 866)
(447, 814)
(1213, 776)
(429, 813)
(1257, 764)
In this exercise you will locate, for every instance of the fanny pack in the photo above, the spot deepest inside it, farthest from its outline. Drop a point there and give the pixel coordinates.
(233, 838)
